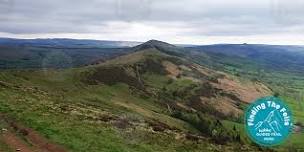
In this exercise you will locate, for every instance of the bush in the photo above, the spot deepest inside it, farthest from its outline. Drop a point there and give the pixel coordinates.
(276, 94)
(196, 120)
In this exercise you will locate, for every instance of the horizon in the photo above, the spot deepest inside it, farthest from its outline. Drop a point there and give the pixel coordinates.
(299, 45)
(200, 22)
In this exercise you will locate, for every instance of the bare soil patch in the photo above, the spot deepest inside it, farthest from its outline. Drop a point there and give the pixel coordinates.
(24, 139)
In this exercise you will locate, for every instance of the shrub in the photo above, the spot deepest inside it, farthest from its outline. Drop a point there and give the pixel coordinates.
(276, 94)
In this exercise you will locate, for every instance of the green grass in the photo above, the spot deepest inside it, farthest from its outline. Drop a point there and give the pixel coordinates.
(36, 98)
(155, 80)
(76, 132)
(68, 130)
(296, 108)
(229, 125)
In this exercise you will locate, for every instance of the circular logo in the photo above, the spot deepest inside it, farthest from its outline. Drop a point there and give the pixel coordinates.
(268, 121)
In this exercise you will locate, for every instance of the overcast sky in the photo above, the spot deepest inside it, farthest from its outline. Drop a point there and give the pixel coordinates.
(175, 21)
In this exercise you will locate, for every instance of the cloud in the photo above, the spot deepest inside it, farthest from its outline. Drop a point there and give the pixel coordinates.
(191, 21)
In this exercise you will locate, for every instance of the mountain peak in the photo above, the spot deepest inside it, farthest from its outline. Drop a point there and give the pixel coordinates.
(157, 43)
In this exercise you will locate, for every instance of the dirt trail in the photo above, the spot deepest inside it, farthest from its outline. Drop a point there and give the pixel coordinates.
(23, 139)
(16, 143)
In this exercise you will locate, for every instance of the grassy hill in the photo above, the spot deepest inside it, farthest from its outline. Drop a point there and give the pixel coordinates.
(278, 66)
(152, 99)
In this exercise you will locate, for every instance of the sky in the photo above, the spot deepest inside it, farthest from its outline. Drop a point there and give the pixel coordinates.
(174, 21)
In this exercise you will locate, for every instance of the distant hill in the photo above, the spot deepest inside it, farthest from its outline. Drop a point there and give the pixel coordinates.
(32, 53)
(278, 66)
(268, 57)
(66, 43)
(56, 53)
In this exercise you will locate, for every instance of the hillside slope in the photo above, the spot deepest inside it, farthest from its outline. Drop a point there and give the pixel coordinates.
(280, 67)
(148, 100)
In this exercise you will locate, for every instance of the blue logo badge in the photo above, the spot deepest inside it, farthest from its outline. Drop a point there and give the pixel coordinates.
(268, 121)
